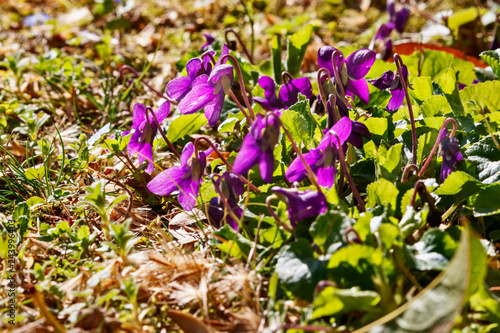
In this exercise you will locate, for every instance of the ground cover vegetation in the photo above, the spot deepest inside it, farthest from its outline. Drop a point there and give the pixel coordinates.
(250, 166)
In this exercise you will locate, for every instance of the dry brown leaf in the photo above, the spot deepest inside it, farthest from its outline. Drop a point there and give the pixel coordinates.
(188, 323)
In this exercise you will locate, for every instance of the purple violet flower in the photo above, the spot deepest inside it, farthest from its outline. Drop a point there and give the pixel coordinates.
(145, 129)
(392, 81)
(210, 39)
(399, 18)
(209, 91)
(231, 187)
(179, 87)
(449, 149)
(322, 159)
(301, 204)
(352, 71)
(185, 178)
(258, 146)
(288, 93)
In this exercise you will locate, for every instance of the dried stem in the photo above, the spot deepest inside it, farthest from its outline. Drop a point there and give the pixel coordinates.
(170, 145)
(399, 64)
(129, 192)
(136, 74)
(436, 144)
(343, 164)
(223, 159)
(230, 30)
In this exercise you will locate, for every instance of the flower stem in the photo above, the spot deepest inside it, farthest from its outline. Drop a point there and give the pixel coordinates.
(335, 114)
(170, 145)
(320, 84)
(418, 185)
(225, 202)
(436, 144)
(407, 170)
(235, 99)
(491, 132)
(311, 174)
(340, 85)
(343, 164)
(286, 77)
(273, 214)
(399, 64)
(230, 30)
(136, 74)
(242, 83)
(223, 159)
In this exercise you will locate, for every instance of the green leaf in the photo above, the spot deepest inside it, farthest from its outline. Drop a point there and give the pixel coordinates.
(449, 86)
(479, 96)
(35, 173)
(332, 301)
(436, 105)
(439, 303)
(488, 202)
(35, 202)
(377, 126)
(413, 220)
(83, 233)
(297, 45)
(435, 249)
(276, 58)
(298, 127)
(330, 229)
(463, 16)
(382, 192)
(298, 270)
(426, 142)
(118, 23)
(389, 162)
(436, 63)
(185, 125)
(422, 88)
(460, 185)
(492, 58)
(486, 156)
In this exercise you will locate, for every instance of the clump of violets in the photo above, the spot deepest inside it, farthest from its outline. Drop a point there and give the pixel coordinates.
(204, 87)
(258, 146)
(301, 204)
(449, 150)
(231, 187)
(185, 178)
(288, 94)
(208, 92)
(322, 160)
(351, 70)
(392, 81)
(144, 131)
